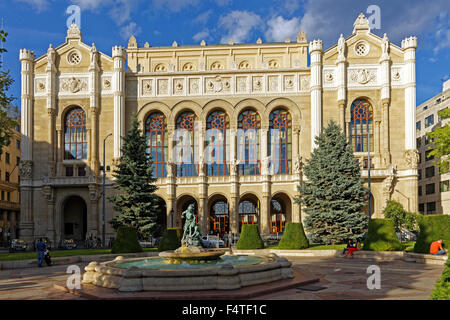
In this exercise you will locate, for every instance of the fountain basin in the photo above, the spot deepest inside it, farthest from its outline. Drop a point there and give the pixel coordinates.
(152, 274)
(190, 256)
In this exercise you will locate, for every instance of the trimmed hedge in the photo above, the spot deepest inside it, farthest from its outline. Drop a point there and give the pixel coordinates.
(432, 228)
(442, 289)
(171, 240)
(294, 237)
(126, 241)
(381, 236)
(250, 238)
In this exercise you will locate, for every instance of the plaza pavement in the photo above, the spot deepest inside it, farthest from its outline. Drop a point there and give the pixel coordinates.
(342, 278)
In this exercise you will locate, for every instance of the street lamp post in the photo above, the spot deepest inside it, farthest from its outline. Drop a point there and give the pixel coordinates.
(103, 192)
(369, 167)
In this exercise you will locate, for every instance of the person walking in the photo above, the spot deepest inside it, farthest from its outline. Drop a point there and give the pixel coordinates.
(40, 248)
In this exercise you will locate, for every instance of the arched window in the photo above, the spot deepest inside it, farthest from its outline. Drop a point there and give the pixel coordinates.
(280, 141)
(157, 142)
(361, 127)
(75, 135)
(277, 216)
(249, 123)
(218, 143)
(248, 212)
(188, 167)
(219, 218)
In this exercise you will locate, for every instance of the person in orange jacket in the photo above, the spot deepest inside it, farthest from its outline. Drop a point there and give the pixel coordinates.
(436, 248)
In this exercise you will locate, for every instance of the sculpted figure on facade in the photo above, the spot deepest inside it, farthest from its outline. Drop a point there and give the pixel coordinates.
(412, 158)
(341, 48)
(94, 56)
(389, 182)
(51, 58)
(298, 164)
(26, 169)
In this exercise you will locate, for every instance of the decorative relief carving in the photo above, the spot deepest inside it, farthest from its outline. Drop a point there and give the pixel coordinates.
(40, 85)
(147, 87)
(163, 86)
(298, 165)
(178, 86)
(396, 76)
(257, 84)
(194, 86)
(241, 84)
(273, 83)
(389, 182)
(107, 84)
(411, 158)
(329, 76)
(363, 76)
(26, 169)
(218, 84)
(289, 83)
(74, 85)
(304, 83)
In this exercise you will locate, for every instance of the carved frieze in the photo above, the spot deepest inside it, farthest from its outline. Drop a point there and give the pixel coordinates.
(289, 83)
(194, 86)
(257, 84)
(163, 86)
(363, 76)
(26, 169)
(74, 85)
(218, 85)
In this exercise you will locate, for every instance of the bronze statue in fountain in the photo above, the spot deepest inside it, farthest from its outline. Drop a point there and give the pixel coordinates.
(191, 250)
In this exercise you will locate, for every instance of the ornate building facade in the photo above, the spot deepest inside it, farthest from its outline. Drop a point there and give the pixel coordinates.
(74, 97)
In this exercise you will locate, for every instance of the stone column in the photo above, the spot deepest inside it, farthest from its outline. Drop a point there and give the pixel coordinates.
(49, 194)
(315, 51)
(51, 105)
(409, 46)
(12, 219)
(341, 80)
(94, 94)
(385, 121)
(93, 226)
(119, 56)
(94, 142)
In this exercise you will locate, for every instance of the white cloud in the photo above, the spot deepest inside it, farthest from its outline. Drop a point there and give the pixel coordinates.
(202, 35)
(279, 28)
(91, 4)
(238, 25)
(203, 17)
(131, 29)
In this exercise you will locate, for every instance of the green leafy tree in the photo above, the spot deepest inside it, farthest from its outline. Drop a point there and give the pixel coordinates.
(440, 140)
(402, 219)
(6, 124)
(333, 196)
(136, 203)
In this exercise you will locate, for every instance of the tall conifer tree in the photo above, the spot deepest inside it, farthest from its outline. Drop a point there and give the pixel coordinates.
(333, 196)
(136, 203)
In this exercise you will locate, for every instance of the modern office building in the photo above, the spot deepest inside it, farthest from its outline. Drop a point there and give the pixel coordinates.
(434, 186)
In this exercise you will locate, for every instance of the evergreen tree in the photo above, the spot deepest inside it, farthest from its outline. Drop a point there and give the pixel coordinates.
(136, 203)
(333, 196)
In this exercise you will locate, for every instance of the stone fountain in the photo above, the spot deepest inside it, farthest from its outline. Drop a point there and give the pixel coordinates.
(190, 267)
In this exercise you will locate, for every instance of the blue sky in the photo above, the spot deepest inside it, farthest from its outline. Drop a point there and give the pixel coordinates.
(34, 24)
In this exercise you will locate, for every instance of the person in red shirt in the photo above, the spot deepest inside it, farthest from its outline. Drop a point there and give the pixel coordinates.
(436, 248)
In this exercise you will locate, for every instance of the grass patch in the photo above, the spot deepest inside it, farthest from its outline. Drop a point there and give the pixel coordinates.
(61, 253)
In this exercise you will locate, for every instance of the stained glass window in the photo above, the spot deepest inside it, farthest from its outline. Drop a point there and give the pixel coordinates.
(361, 126)
(188, 168)
(280, 124)
(157, 142)
(248, 142)
(75, 135)
(248, 213)
(218, 143)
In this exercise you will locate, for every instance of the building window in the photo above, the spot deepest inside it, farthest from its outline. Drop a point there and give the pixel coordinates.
(157, 142)
(420, 191)
(18, 144)
(422, 208)
(280, 141)
(249, 143)
(82, 171)
(445, 186)
(428, 156)
(7, 157)
(429, 172)
(75, 135)
(419, 173)
(3, 195)
(420, 157)
(427, 140)
(419, 142)
(429, 188)
(189, 168)
(431, 207)
(8, 196)
(17, 161)
(425, 108)
(361, 126)
(429, 121)
(7, 176)
(69, 171)
(418, 125)
(218, 146)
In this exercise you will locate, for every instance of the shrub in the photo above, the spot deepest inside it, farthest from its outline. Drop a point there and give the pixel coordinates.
(432, 228)
(442, 289)
(381, 236)
(250, 238)
(402, 218)
(126, 241)
(293, 237)
(171, 240)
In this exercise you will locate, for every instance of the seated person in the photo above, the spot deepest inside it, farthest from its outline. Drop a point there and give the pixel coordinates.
(436, 248)
(349, 245)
